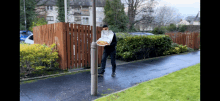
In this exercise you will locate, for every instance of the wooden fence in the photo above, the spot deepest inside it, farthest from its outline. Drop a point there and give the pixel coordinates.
(191, 39)
(73, 42)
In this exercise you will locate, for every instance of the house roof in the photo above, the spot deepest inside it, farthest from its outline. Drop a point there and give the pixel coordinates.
(184, 22)
(197, 19)
(100, 3)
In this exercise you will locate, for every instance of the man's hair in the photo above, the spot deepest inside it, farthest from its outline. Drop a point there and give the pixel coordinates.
(105, 26)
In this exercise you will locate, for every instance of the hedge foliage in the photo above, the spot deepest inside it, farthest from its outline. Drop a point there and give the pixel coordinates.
(139, 47)
(36, 56)
(170, 28)
(176, 49)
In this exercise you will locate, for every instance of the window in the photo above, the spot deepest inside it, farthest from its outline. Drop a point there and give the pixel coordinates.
(29, 33)
(77, 18)
(49, 8)
(49, 18)
(24, 33)
(31, 37)
(85, 20)
(100, 19)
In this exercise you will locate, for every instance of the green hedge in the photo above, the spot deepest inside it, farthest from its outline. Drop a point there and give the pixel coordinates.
(139, 47)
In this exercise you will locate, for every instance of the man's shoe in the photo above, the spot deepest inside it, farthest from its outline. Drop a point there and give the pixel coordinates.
(101, 75)
(113, 74)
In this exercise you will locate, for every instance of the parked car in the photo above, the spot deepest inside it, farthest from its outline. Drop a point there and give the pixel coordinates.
(141, 33)
(24, 35)
(29, 39)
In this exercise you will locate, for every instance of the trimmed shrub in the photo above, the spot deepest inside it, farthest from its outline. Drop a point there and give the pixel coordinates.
(176, 49)
(171, 28)
(158, 30)
(140, 47)
(36, 57)
(182, 28)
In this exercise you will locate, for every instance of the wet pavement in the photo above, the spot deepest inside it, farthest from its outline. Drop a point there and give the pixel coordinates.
(77, 87)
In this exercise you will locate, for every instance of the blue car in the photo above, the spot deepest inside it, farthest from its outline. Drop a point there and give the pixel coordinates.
(24, 35)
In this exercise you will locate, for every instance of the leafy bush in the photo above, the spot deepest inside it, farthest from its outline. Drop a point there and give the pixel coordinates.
(182, 28)
(176, 49)
(174, 28)
(190, 49)
(158, 30)
(139, 47)
(38, 22)
(36, 56)
(174, 45)
(171, 28)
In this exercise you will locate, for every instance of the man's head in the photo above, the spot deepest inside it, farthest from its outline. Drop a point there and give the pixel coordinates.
(105, 27)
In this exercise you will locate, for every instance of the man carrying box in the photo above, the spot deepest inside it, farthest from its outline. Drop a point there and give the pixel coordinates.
(109, 50)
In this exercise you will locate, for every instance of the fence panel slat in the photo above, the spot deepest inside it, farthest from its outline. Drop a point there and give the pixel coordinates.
(76, 44)
(71, 46)
(64, 45)
(79, 46)
(86, 46)
(83, 45)
(89, 46)
(68, 45)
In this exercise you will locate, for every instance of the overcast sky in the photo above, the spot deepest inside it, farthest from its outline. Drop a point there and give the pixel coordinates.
(185, 7)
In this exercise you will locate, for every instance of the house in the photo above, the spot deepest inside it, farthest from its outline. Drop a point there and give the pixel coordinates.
(183, 22)
(80, 11)
(196, 20)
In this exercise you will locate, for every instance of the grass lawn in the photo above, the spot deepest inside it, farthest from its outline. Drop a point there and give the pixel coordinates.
(182, 85)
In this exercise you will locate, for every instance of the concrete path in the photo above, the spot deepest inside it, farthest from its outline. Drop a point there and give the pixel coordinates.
(77, 87)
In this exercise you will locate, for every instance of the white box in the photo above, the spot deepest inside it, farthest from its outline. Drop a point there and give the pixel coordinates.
(106, 35)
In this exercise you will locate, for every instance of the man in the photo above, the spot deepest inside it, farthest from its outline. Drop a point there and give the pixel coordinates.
(109, 50)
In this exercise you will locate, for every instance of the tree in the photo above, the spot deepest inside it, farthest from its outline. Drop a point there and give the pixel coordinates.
(61, 10)
(138, 7)
(30, 12)
(145, 17)
(115, 16)
(190, 18)
(165, 15)
(37, 22)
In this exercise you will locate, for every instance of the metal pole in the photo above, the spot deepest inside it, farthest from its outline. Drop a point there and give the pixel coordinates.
(94, 56)
(25, 17)
(65, 8)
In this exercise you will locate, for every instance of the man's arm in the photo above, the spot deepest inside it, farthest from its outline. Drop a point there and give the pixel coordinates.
(114, 41)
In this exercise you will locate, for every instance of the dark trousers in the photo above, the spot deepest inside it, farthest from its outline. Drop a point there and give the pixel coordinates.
(106, 53)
